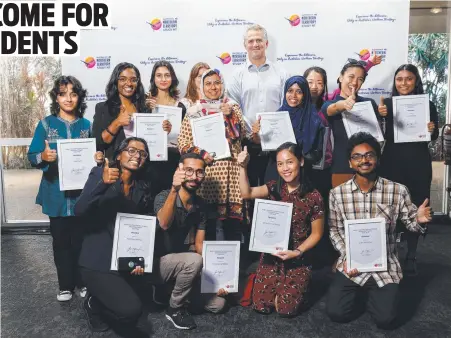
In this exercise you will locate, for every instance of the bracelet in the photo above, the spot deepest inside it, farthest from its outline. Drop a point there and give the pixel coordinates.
(109, 131)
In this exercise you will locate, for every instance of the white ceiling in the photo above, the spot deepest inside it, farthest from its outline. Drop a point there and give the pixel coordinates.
(423, 21)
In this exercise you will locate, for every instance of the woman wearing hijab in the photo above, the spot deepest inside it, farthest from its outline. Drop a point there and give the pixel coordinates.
(307, 126)
(220, 188)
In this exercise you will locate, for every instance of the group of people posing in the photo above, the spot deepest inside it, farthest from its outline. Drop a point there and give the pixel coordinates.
(196, 197)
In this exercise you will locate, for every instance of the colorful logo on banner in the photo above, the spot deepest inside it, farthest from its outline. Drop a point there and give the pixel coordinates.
(365, 54)
(305, 20)
(300, 57)
(294, 20)
(373, 17)
(102, 62)
(165, 24)
(237, 58)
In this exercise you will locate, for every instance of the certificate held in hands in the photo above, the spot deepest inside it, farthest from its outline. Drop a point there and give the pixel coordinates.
(174, 115)
(209, 134)
(271, 226)
(275, 129)
(75, 161)
(410, 118)
(150, 128)
(362, 118)
(366, 245)
(134, 236)
(221, 266)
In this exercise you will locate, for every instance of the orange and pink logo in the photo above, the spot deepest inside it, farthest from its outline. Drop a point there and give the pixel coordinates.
(89, 62)
(364, 54)
(294, 20)
(225, 58)
(155, 24)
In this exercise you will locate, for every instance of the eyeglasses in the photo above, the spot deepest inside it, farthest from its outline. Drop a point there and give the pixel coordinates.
(210, 84)
(199, 172)
(123, 79)
(359, 157)
(357, 62)
(133, 151)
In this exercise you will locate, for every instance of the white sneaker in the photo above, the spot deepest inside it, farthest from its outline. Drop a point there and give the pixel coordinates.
(83, 291)
(64, 296)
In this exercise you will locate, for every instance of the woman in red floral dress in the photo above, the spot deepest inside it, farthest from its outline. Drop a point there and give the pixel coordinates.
(283, 277)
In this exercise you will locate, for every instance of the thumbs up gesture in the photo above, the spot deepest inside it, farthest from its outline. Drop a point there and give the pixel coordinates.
(110, 175)
(179, 177)
(350, 101)
(424, 213)
(225, 108)
(151, 101)
(243, 158)
(382, 108)
(48, 155)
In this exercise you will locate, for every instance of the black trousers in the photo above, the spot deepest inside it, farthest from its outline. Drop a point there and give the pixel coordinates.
(67, 236)
(382, 302)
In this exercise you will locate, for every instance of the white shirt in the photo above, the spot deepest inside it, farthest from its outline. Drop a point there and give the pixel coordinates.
(257, 89)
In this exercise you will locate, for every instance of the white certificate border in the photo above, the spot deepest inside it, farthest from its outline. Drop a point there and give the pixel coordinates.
(286, 116)
(235, 280)
(427, 117)
(165, 140)
(258, 202)
(321, 163)
(148, 261)
(383, 234)
(175, 110)
(379, 137)
(217, 116)
(60, 147)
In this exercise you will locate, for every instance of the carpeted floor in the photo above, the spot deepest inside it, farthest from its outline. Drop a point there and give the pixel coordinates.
(29, 307)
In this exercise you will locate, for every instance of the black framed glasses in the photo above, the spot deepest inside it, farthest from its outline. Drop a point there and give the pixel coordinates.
(133, 151)
(359, 157)
(199, 172)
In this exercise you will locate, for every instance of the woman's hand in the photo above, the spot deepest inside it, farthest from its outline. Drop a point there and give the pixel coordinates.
(124, 118)
(349, 103)
(222, 292)
(99, 157)
(167, 126)
(376, 59)
(243, 158)
(287, 254)
(209, 159)
(431, 127)
(151, 101)
(110, 175)
(382, 108)
(225, 108)
(352, 273)
(138, 271)
(48, 155)
(255, 137)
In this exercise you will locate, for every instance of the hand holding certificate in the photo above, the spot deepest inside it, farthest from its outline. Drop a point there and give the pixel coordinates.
(366, 245)
(134, 236)
(150, 128)
(271, 226)
(209, 134)
(221, 266)
(410, 118)
(362, 118)
(75, 161)
(275, 130)
(174, 115)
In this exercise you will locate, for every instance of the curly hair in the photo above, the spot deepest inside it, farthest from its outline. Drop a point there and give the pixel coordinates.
(173, 91)
(77, 88)
(363, 138)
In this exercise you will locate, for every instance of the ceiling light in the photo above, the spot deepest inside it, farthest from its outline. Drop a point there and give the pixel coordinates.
(436, 10)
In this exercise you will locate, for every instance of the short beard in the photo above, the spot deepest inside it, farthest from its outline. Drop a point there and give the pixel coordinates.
(371, 175)
(188, 188)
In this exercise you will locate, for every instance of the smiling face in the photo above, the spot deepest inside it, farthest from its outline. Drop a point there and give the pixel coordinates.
(294, 95)
(316, 84)
(352, 78)
(193, 167)
(288, 166)
(163, 79)
(363, 160)
(127, 82)
(255, 45)
(67, 99)
(213, 87)
(135, 161)
(405, 82)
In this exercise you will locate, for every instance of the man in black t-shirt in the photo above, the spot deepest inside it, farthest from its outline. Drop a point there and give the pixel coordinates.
(181, 230)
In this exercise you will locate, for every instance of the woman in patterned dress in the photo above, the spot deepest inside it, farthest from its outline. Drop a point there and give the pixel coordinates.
(220, 188)
(283, 277)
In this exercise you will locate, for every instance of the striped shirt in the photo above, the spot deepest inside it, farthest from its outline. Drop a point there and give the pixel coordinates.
(386, 199)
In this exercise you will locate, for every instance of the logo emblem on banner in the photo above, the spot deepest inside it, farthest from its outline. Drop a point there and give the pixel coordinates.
(364, 54)
(225, 58)
(155, 24)
(168, 24)
(89, 62)
(294, 20)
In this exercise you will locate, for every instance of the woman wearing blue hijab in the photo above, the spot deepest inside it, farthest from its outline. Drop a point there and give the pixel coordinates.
(307, 125)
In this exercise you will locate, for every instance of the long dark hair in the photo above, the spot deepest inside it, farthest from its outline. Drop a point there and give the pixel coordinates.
(418, 83)
(173, 91)
(77, 88)
(111, 90)
(352, 64)
(322, 72)
(306, 185)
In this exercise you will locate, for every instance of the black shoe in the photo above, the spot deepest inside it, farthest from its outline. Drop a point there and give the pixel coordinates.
(410, 267)
(180, 318)
(159, 295)
(95, 322)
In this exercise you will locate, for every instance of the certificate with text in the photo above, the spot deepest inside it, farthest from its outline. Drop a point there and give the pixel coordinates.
(150, 128)
(209, 134)
(221, 266)
(75, 161)
(174, 115)
(410, 118)
(271, 226)
(275, 129)
(134, 236)
(362, 118)
(366, 244)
